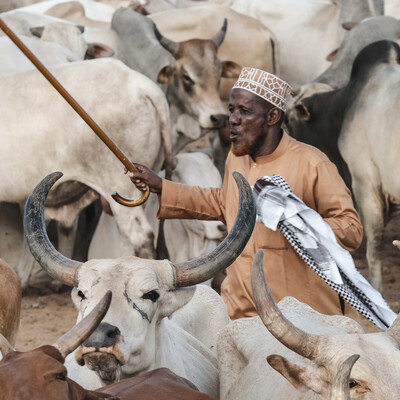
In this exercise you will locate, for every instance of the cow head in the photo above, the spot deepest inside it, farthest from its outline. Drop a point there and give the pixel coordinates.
(374, 376)
(40, 373)
(145, 292)
(70, 36)
(194, 77)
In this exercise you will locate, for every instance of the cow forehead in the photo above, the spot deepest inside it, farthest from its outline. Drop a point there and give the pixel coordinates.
(126, 271)
(199, 56)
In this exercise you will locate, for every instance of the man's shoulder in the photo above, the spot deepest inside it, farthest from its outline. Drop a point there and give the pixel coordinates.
(303, 150)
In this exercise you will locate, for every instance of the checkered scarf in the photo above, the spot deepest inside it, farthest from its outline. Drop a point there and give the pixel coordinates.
(313, 239)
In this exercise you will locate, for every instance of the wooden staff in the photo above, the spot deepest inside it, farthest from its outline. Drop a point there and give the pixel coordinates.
(84, 115)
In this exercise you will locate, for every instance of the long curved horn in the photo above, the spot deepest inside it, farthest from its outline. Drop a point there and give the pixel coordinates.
(220, 36)
(81, 331)
(168, 44)
(5, 346)
(53, 262)
(289, 335)
(203, 268)
(340, 387)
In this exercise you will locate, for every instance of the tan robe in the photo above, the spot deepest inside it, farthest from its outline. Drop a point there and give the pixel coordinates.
(313, 178)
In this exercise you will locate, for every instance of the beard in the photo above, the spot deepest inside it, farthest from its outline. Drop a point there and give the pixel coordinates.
(250, 148)
(241, 150)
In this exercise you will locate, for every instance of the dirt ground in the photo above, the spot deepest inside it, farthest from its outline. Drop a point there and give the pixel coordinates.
(46, 315)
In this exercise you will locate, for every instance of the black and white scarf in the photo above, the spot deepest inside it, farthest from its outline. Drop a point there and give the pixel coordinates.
(313, 239)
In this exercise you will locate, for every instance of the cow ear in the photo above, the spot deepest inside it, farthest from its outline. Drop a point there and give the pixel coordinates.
(173, 301)
(98, 50)
(302, 112)
(37, 31)
(349, 25)
(166, 75)
(287, 369)
(300, 377)
(331, 56)
(230, 69)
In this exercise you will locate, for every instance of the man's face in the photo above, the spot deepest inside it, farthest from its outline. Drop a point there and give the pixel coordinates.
(247, 122)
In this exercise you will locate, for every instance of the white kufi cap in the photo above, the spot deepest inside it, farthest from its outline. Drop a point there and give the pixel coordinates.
(266, 85)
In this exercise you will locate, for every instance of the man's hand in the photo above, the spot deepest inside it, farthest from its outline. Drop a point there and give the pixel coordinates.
(145, 176)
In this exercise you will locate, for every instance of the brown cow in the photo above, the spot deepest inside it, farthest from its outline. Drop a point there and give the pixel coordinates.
(10, 302)
(41, 374)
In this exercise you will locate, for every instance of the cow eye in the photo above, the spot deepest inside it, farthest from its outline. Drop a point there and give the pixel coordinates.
(152, 295)
(352, 383)
(81, 295)
(61, 376)
(187, 79)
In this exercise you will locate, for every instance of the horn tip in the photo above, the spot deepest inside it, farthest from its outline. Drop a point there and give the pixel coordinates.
(157, 32)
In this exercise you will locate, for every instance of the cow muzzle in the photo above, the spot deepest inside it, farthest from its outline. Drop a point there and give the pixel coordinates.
(219, 120)
(101, 353)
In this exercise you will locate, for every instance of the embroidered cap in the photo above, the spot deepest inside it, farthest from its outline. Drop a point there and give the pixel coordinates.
(266, 85)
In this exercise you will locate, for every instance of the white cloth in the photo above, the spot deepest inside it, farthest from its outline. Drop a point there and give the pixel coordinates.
(314, 240)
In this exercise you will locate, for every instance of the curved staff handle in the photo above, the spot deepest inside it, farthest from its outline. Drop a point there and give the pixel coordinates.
(84, 115)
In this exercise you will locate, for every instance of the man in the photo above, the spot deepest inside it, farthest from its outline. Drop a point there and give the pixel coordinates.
(260, 147)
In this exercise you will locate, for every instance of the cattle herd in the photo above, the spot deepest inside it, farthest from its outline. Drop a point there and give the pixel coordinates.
(156, 76)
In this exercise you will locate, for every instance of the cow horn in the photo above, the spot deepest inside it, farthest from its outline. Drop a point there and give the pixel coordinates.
(67, 343)
(5, 346)
(279, 326)
(340, 387)
(220, 36)
(53, 262)
(168, 44)
(206, 267)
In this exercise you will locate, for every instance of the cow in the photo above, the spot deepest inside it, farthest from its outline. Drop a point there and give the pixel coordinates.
(189, 71)
(139, 332)
(93, 9)
(364, 33)
(41, 374)
(345, 120)
(199, 22)
(140, 126)
(307, 31)
(50, 30)
(304, 351)
(10, 302)
(185, 239)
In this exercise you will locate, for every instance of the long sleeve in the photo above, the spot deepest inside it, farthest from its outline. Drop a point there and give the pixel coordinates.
(192, 202)
(334, 203)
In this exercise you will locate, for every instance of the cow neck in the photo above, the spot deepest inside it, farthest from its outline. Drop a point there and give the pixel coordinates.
(282, 146)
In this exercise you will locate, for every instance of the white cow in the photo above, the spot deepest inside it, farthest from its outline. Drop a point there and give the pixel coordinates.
(304, 350)
(185, 239)
(93, 9)
(35, 119)
(49, 30)
(138, 333)
(307, 31)
(14, 61)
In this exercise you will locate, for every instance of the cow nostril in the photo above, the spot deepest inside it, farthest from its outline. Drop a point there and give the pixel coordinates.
(112, 334)
(219, 120)
(104, 336)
